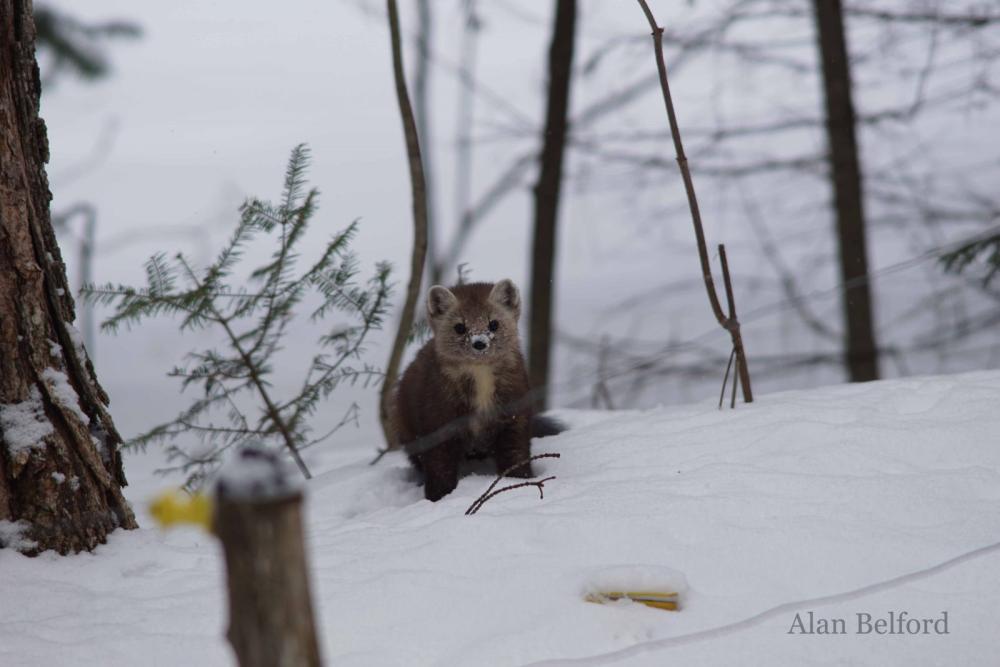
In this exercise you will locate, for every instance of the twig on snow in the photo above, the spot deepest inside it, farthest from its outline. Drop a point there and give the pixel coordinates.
(489, 492)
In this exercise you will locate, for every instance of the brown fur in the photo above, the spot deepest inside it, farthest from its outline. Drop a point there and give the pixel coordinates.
(455, 402)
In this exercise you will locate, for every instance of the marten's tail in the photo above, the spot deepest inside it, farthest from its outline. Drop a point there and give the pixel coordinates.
(542, 426)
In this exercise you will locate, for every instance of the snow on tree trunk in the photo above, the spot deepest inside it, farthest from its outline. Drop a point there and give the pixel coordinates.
(60, 469)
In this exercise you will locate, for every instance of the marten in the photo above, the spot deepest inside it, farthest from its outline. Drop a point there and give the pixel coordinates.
(466, 394)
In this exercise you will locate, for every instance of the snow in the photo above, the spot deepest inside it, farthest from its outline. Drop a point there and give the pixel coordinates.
(77, 338)
(99, 437)
(845, 500)
(24, 425)
(256, 474)
(12, 535)
(63, 392)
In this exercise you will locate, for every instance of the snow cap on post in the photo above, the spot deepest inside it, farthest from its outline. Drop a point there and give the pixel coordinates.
(256, 474)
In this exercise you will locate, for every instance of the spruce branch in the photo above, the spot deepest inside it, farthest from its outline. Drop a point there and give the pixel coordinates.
(237, 375)
(985, 249)
(256, 377)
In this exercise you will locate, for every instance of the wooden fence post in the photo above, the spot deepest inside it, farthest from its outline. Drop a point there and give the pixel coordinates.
(258, 519)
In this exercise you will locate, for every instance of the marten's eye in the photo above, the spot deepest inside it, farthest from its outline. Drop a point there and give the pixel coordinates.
(460, 328)
(494, 325)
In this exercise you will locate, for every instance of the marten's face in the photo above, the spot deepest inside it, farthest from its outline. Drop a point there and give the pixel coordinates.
(475, 323)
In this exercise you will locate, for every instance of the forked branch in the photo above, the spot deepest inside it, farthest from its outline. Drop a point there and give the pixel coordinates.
(727, 322)
(489, 492)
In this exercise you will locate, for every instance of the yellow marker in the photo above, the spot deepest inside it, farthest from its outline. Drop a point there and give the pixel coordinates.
(668, 601)
(174, 507)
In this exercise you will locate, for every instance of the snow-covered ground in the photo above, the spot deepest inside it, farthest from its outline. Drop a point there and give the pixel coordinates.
(802, 495)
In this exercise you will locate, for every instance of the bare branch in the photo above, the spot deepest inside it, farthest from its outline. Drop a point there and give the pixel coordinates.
(419, 188)
(489, 492)
(540, 484)
(730, 323)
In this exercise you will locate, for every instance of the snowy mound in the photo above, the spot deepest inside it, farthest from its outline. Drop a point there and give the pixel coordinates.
(774, 506)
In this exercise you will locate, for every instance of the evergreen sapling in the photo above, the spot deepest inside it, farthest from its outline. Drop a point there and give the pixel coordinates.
(238, 403)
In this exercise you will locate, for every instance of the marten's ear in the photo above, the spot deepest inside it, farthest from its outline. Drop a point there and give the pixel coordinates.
(439, 301)
(505, 293)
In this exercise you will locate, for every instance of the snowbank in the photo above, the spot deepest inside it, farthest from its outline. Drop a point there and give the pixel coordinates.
(800, 496)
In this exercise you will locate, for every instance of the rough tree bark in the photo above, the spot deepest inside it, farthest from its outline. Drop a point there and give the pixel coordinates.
(861, 354)
(547, 193)
(60, 469)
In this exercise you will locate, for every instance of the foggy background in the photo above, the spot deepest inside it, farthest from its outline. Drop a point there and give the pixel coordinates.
(203, 109)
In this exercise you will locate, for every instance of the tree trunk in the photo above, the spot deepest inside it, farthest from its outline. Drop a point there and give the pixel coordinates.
(60, 468)
(862, 354)
(547, 197)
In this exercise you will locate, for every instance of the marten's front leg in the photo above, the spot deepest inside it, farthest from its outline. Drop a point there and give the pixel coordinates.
(440, 467)
(512, 446)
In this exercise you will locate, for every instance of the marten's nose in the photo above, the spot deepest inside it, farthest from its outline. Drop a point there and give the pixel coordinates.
(479, 345)
(480, 342)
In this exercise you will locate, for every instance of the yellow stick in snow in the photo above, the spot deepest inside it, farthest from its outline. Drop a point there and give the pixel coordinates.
(657, 600)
